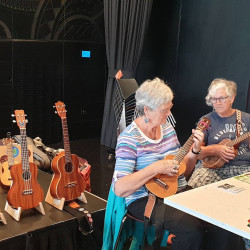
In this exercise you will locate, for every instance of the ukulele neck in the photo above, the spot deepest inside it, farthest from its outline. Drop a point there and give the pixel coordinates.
(10, 154)
(24, 150)
(239, 139)
(184, 149)
(66, 140)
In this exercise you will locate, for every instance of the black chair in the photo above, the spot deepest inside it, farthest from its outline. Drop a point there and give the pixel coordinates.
(126, 216)
(131, 217)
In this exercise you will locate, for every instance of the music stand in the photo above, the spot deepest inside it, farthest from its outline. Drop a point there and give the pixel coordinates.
(124, 102)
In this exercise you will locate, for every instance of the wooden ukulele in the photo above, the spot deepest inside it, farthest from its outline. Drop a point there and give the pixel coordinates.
(214, 161)
(6, 179)
(25, 191)
(66, 182)
(163, 185)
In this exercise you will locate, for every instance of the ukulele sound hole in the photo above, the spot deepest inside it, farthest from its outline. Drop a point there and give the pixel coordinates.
(68, 167)
(26, 175)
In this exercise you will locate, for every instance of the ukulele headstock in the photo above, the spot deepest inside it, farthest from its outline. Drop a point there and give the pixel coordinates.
(203, 124)
(60, 109)
(8, 140)
(20, 118)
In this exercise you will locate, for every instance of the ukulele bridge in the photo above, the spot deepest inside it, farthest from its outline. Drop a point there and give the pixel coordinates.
(161, 183)
(71, 184)
(26, 192)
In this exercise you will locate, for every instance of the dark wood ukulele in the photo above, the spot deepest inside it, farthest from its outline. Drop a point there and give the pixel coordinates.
(66, 182)
(163, 185)
(25, 191)
(215, 161)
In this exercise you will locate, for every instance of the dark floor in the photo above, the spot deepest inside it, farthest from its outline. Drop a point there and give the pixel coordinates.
(97, 156)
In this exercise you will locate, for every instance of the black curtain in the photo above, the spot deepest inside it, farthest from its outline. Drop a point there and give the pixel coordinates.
(126, 22)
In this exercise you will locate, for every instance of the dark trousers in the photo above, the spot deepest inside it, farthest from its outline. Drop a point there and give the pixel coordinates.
(190, 232)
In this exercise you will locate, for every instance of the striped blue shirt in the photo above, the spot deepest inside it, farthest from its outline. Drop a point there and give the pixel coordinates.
(135, 151)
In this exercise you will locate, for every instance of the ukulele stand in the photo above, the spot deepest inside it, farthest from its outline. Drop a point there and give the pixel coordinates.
(16, 212)
(59, 203)
(2, 218)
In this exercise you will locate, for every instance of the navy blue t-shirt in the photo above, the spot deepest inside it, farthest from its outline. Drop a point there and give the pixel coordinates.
(225, 128)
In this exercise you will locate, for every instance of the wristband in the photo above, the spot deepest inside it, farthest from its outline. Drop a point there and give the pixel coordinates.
(196, 153)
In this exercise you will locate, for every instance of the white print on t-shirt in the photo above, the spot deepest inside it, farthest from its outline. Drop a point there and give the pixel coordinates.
(229, 128)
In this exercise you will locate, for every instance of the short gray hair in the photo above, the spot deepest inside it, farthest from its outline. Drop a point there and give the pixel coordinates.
(152, 93)
(221, 83)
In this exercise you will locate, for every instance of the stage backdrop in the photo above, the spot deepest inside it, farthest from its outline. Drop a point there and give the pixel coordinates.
(41, 62)
(191, 42)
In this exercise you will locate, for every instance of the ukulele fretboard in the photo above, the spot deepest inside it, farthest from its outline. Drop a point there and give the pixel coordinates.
(24, 150)
(66, 140)
(239, 139)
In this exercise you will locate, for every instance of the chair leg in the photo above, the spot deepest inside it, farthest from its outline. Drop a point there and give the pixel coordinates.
(120, 231)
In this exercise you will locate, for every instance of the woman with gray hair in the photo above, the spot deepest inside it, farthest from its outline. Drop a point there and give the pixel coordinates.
(219, 159)
(140, 153)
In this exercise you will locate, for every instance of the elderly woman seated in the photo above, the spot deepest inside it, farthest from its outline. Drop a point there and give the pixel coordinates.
(140, 153)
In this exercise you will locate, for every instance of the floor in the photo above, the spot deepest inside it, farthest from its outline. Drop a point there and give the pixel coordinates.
(102, 163)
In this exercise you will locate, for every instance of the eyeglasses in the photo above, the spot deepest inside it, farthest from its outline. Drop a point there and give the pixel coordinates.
(164, 111)
(221, 99)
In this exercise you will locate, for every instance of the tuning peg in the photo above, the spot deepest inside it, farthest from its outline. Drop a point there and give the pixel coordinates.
(26, 120)
(54, 106)
(14, 121)
(12, 115)
(55, 112)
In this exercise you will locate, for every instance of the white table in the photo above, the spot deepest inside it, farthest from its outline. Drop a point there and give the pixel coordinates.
(228, 210)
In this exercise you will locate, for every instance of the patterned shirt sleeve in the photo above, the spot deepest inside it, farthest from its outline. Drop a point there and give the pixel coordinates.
(126, 155)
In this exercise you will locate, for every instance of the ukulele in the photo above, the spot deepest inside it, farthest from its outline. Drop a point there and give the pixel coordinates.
(25, 191)
(6, 179)
(66, 182)
(214, 161)
(163, 185)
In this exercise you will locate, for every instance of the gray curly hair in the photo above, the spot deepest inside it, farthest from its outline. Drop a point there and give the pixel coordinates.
(152, 93)
(218, 83)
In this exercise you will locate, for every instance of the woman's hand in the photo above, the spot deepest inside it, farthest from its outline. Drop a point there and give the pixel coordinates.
(169, 167)
(130, 183)
(198, 139)
(225, 152)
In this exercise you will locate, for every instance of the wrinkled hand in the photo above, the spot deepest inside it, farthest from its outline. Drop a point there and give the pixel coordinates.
(198, 139)
(169, 167)
(225, 152)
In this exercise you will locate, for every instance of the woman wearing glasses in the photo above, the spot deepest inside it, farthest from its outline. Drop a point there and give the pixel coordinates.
(226, 123)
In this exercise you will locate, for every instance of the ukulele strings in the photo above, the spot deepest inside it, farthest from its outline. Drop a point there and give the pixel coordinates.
(25, 163)
(66, 144)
